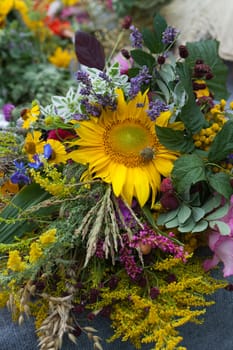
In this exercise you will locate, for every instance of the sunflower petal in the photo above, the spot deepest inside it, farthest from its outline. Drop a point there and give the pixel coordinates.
(118, 175)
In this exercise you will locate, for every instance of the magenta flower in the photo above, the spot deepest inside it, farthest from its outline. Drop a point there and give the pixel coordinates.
(124, 62)
(222, 246)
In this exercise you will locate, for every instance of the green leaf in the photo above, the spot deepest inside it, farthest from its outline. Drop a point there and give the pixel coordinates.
(219, 213)
(222, 144)
(167, 73)
(159, 25)
(165, 217)
(188, 170)
(187, 226)
(175, 140)
(197, 213)
(220, 182)
(143, 58)
(28, 196)
(164, 89)
(200, 226)
(207, 50)
(172, 223)
(149, 39)
(191, 114)
(184, 214)
(223, 228)
(212, 203)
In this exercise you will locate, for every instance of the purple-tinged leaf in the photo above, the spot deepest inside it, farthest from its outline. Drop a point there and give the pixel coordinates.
(89, 51)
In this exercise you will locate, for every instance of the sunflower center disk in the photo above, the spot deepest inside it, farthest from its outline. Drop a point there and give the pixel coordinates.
(124, 143)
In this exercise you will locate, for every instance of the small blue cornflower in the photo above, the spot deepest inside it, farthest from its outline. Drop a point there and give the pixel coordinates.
(48, 151)
(135, 37)
(20, 177)
(155, 108)
(169, 35)
(37, 162)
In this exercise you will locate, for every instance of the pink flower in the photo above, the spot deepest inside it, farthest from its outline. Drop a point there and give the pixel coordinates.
(222, 246)
(125, 62)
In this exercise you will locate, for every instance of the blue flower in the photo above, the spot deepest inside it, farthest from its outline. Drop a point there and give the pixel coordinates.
(48, 151)
(37, 164)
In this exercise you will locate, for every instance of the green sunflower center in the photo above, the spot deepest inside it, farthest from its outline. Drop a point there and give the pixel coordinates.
(124, 142)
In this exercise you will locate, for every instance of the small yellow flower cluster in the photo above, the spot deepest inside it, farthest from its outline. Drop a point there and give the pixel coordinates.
(70, 2)
(15, 262)
(52, 181)
(216, 118)
(61, 58)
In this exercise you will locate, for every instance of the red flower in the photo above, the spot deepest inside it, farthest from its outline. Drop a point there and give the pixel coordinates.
(60, 134)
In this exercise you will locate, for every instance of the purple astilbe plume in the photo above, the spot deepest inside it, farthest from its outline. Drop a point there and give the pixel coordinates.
(169, 35)
(135, 37)
(128, 260)
(155, 240)
(155, 108)
(136, 83)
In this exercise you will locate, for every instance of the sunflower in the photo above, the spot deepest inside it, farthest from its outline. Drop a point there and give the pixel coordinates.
(33, 144)
(122, 148)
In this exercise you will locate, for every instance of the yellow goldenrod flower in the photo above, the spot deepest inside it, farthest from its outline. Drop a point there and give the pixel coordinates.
(15, 262)
(35, 252)
(48, 237)
(61, 58)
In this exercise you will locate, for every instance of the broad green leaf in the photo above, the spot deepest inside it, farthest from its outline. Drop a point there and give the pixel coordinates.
(188, 170)
(191, 114)
(219, 213)
(17, 225)
(222, 227)
(149, 39)
(220, 182)
(159, 25)
(167, 73)
(184, 214)
(222, 144)
(200, 226)
(207, 50)
(143, 58)
(175, 140)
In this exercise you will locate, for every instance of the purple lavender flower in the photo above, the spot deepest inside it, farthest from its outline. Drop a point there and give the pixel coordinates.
(83, 77)
(136, 83)
(169, 35)
(155, 108)
(7, 111)
(135, 37)
(90, 108)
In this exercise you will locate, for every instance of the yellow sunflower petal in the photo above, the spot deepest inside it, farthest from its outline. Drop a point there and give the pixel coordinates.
(141, 186)
(118, 175)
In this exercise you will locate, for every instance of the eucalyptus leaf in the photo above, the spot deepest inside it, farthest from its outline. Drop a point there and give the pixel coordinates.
(200, 226)
(184, 214)
(212, 203)
(187, 226)
(219, 213)
(165, 217)
(197, 213)
(172, 223)
(221, 226)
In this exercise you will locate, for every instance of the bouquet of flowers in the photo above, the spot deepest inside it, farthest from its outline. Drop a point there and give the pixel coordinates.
(109, 192)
